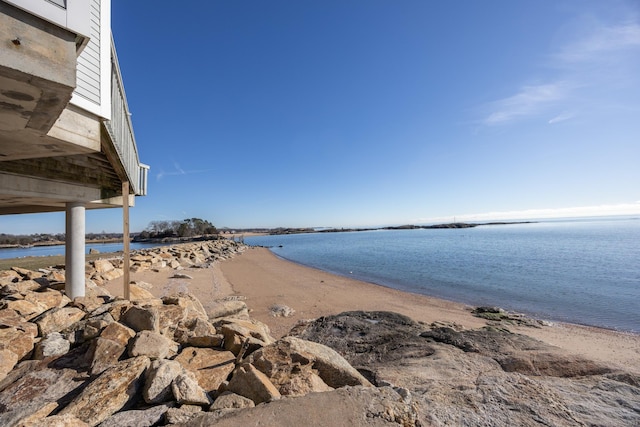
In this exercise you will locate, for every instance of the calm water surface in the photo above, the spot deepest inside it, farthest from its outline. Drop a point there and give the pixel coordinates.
(582, 271)
(59, 249)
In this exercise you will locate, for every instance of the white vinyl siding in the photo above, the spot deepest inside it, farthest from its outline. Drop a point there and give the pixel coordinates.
(88, 71)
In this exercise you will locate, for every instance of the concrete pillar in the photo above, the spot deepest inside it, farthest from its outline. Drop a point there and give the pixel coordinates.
(74, 250)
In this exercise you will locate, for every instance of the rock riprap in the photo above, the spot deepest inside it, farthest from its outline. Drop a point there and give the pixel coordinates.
(102, 360)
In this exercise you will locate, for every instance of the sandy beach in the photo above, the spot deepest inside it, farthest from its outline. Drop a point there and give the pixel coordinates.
(266, 280)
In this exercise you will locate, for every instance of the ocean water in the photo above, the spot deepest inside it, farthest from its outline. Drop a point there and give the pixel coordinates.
(584, 271)
(59, 249)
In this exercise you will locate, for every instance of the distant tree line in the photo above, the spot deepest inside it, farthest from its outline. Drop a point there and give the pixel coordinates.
(189, 227)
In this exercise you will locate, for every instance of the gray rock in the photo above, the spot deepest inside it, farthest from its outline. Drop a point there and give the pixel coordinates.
(227, 308)
(54, 421)
(142, 318)
(183, 414)
(281, 310)
(186, 390)
(229, 400)
(27, 413)
(152, 345)
(53, 345)
(87, 329)
(197, 332)
(137, 418)
(158, 379)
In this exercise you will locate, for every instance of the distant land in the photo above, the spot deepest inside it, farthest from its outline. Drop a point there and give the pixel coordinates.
(278, 231)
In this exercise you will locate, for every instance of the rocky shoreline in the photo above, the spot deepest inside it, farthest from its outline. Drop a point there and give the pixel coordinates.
(102, 360)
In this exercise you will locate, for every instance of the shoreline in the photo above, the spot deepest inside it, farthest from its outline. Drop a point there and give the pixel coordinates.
(266, 280)
(529, 314)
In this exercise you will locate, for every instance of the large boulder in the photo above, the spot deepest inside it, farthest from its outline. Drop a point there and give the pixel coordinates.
(249, 382)
(318, 365)
(49, 298)
(53, 421)
(158, 380)
(227, 308)
(87, 329)
(26, 309)
(144, 318)
(197, 332)
(9, 276)
(10, 318)
(32, 387)
(140, 294)
(191, 304)
(110, 392)
(229, 400)
(57, 319)
(53, 344)
(139, 418)
(103, 354)
(118, 332)
(8, 360)
(210, 366)
(187, 391)
(16, 340)
(153, 345)
(20, 287)
(103, 266)
(243, 335)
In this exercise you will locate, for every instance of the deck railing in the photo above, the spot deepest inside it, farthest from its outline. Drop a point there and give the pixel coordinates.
(120, 130)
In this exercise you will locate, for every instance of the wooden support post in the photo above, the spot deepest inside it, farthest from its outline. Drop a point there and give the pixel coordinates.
(125, 238)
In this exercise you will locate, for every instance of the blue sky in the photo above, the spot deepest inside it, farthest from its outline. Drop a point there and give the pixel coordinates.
(366, 112)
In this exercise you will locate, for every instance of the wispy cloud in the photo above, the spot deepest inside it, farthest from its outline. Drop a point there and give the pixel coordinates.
(529, 100)
(179, 171)
(562, 117)
(600, 44)
(601, 57)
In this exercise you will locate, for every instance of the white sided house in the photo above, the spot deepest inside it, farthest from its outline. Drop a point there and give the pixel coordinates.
(66, 138)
